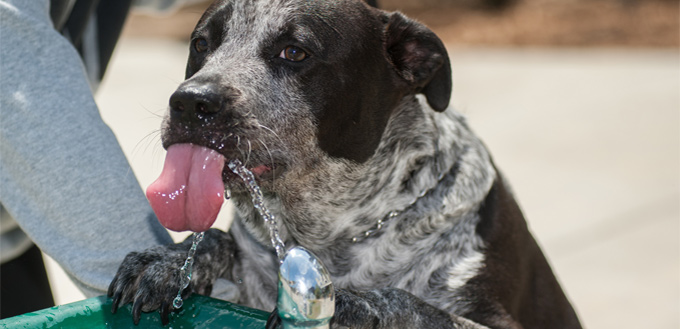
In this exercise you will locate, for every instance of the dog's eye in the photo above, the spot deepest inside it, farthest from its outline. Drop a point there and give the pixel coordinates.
(293, 54)
(200, 45)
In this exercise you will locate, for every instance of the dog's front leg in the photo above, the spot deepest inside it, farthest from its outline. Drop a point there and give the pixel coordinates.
(394, 309)
(150, 279)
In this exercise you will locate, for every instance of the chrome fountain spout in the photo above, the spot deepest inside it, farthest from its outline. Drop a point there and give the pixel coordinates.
(306, 294)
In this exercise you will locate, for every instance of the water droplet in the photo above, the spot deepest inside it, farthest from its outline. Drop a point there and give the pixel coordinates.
(178, 302)
(185, 270)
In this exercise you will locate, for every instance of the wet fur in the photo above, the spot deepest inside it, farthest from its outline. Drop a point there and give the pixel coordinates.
(458, 255)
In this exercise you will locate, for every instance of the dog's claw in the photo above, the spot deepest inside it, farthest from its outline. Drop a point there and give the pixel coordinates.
(116, 297)
(274, 321)
(165, 313)
(137, 310)
(109, 292)
(114, 304)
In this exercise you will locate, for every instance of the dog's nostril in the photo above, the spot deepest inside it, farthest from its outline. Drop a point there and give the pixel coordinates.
(194, 103)
(205, 108)
(178, 106)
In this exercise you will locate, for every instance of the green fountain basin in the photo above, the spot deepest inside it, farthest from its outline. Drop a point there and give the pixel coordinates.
(197, 312)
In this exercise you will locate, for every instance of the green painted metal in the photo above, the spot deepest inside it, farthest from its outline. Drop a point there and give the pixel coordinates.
(95, 313)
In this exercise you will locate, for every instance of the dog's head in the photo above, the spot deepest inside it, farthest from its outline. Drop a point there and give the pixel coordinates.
(288, 86)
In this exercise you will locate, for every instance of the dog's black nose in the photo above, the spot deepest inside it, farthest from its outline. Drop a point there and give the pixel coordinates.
(196, 99)
(200, 98)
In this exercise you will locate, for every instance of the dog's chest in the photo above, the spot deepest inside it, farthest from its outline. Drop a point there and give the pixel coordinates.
(435, 262)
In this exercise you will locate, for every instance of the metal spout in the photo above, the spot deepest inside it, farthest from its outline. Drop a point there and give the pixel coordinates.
(306, 294)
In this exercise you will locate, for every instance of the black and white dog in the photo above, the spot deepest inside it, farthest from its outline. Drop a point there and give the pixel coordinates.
(340, 110)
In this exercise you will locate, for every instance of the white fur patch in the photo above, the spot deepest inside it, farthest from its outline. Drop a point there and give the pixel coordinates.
(465, 269)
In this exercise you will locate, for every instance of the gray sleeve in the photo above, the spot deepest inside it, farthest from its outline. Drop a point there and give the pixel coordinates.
(162, 6)
(63, 176)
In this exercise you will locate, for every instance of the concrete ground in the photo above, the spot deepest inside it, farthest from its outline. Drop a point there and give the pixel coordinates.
(589, 140)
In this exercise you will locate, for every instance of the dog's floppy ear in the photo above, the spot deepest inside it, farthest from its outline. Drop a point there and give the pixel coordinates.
(420, 58)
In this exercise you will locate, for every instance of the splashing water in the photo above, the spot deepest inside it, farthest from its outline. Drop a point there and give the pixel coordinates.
(258, 202)
(185, 271)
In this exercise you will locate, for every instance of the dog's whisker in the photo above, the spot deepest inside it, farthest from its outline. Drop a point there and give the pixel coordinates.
(149, 140)
(158, 114)
(250, 151)
(271, 158)
(158, 148)
(224, 139)
(271, 131)
(238, 145)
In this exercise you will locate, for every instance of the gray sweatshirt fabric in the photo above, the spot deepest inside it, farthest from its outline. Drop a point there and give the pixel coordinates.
(63, 177)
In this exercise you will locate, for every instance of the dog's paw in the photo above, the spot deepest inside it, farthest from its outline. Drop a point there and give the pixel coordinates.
(389, 308)
(274, 321)
(352, 310)
(150, 280)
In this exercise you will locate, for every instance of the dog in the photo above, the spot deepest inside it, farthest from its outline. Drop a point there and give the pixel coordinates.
(341, 111)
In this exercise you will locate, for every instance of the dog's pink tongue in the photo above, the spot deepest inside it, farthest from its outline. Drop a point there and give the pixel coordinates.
(189, 192)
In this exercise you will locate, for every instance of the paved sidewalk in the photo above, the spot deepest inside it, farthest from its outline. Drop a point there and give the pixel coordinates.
(589, 140)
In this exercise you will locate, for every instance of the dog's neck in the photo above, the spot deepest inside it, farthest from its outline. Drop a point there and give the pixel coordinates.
(424, 158)
(444, 182)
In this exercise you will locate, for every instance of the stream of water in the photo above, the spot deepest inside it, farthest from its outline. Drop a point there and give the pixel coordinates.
(258, 202)
(185, 271)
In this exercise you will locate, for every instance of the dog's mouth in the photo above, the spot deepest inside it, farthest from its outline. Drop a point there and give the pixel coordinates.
(189, 192)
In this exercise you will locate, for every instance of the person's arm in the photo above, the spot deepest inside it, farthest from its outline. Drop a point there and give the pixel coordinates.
(63, 176)
(162, 6)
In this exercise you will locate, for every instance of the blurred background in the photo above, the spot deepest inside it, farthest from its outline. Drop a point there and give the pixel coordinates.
(578, 101)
